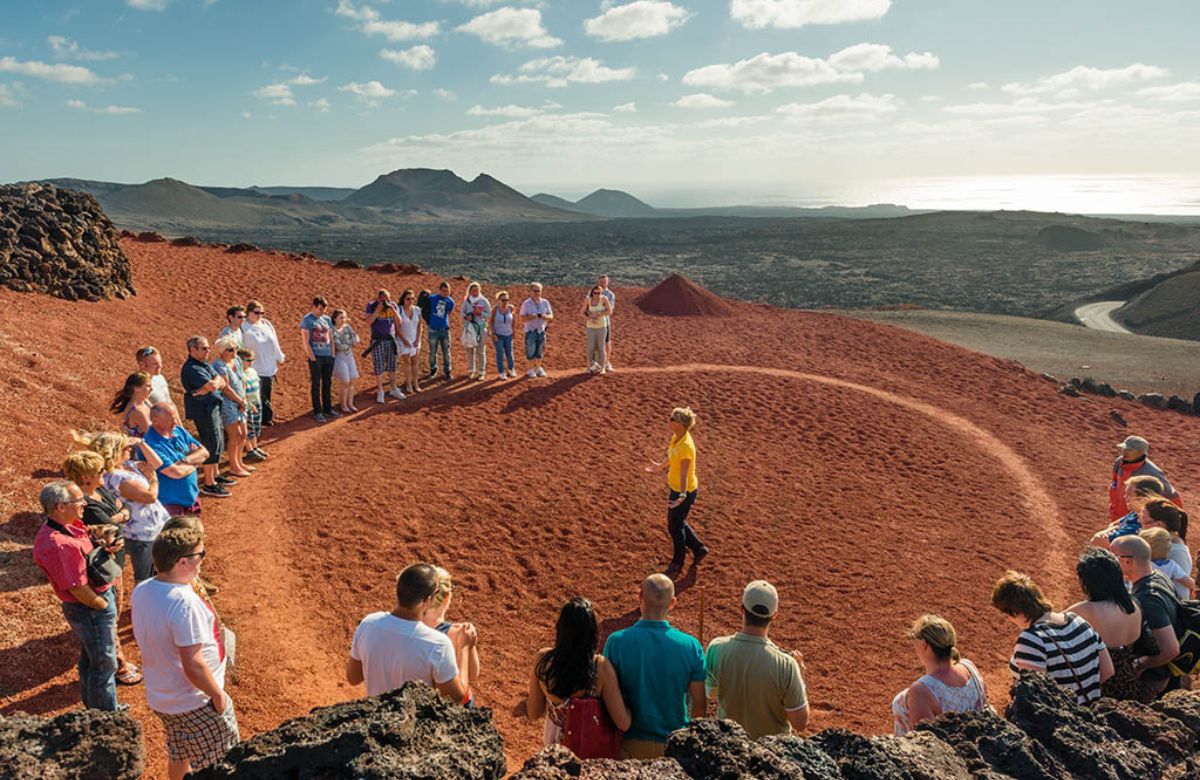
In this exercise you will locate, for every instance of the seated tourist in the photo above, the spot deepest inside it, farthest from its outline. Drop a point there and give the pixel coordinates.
(1162, 513)
(1114, 615)
(1160, 610)
(573, 669)
(1062, 644)
(1138, 490)
(435, 618)
(1159, 540)
(951, 683)
(132, 404)
(755, 682)
(392, 648)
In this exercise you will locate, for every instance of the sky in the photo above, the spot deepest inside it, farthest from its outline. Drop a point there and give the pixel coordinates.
(680, 101)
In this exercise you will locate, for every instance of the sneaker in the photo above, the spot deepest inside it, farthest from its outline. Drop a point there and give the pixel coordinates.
(431, 376)
(479, 378)
(699, 555)
(541, 371)
(253, 456)
(320, 417)
(215, 491)
(397, 393)
(448, 377)
(532, 373)
(593, 368)
(608, 367)
(380, 397)
(602, 371)
(512, 373)
(224, 480)
(261, 453)
(333, 413)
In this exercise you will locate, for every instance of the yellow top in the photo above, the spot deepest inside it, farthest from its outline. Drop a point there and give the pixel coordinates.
(680, 450)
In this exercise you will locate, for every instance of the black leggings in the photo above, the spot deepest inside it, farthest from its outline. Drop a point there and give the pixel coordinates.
(683, 537)
(268, 411)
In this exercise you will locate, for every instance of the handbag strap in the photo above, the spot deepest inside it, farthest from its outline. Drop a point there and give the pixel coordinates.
(1071, 666)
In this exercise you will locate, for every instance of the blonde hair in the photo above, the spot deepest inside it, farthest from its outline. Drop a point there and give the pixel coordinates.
(81, 464)
(109, 445)
(936, 632)
(1159, 540)
(684, 416)
(445, 586)
(502, 294)
(224, 343)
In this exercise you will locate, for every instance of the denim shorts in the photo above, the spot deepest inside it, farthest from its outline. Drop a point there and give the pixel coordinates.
(535, 344)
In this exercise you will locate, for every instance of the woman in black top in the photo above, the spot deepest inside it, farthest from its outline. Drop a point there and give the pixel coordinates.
(104, 515)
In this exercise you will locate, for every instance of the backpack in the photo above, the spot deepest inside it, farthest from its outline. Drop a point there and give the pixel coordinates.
(1187, 629)
(423, 305)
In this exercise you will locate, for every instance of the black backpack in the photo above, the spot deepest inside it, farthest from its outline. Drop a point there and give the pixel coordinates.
(423, 305)
(1187, 627)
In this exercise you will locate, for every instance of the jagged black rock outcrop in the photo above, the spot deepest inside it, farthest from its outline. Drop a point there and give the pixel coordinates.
(557, 763)
(411, 732)
(84, 744)
(922, 757)
(60, 242)
(990, 744)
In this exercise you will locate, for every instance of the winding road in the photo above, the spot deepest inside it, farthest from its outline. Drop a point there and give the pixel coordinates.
(1098, 316)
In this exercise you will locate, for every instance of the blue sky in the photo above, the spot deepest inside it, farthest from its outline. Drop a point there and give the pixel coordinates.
(753, 97)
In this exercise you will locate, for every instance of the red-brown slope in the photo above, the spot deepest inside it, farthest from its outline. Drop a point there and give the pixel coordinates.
(677, 296)
(871, 473)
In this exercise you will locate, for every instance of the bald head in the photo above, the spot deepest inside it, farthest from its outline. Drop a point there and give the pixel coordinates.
(658, 596)
(162, 417)
(1133, 553)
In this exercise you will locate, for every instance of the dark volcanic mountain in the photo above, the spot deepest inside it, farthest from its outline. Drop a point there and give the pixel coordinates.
(422, 191)
(614, 203)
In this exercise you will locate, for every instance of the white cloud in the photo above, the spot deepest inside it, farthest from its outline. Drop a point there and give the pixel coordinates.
(321, 104)
(977, 85)
(876, 56)
(639, 19)
(445, 94)
(843, 108)
(626, 108)
(512, 28)
(1185, 90)
(305, 80)
(60, 72)
(791, 14)
(701, 100)
(8, 97)
(663, 77)
(735, 121)
(373, 24)
(1082, 78)
(558, 71)
(371, 90)
(420, 57)
(767, 72)
(246, 115)
(147, 5)
(1021, 106)
(280, 93)
(360, 13)
(80, 105)
(510, 111)
(67, 49)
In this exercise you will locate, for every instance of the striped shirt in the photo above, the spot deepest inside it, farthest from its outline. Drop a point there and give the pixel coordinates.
(1069, 653)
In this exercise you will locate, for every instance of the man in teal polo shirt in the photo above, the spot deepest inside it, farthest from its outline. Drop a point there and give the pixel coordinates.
(660, 669)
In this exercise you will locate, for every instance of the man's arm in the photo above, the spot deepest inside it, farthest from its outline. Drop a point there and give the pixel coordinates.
(354, 671)
(199, 675)
(88, 597)
(699, 705)
(1168, 648)
(307, 346)
(798, 718)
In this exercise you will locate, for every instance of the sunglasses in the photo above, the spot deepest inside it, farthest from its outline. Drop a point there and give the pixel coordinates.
(146, 352)
(240, 317)
(255, 311)
(199, 555)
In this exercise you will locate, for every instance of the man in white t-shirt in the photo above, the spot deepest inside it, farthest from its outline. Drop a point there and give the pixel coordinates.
(392, 648)
(536, 313)
(149, 360)
(183, 656)
(612, 303)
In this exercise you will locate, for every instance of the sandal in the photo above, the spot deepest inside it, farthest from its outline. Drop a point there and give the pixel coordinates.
(131, 675)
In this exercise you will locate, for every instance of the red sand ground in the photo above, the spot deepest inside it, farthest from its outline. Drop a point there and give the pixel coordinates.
(871, 473)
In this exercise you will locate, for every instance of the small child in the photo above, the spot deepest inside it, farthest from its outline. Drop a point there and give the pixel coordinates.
(1159, 540)
(253, 405)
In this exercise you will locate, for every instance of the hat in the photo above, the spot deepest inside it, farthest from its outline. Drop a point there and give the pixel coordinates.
(1134, 443)
(760, 598)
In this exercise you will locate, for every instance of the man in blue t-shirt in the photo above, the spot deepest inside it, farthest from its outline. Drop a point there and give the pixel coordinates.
(660, 670)
(178, 489)
(316, 333)
(440, 306)
(202, 387)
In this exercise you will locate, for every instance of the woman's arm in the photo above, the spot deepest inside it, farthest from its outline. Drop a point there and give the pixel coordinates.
(535, 701)
(1106, 665)
(131, 491)
(921, 704)
(610, 691)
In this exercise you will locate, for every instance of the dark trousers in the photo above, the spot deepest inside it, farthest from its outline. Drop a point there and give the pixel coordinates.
(683, 538)
(268, 411)
(320, 375)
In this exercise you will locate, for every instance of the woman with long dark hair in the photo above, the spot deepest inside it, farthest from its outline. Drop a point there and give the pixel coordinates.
(573, 669)
(1161, 513)
(1114, 615)
(133, 405)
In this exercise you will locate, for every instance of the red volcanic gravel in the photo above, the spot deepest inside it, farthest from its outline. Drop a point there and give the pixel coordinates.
(677, 296)
(871, 473)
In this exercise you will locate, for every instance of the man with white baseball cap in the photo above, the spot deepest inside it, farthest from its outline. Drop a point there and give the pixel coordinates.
(1132, 462)
(755, 683)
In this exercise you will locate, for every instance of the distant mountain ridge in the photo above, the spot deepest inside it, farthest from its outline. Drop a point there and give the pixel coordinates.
(615, 204)
(601, 203)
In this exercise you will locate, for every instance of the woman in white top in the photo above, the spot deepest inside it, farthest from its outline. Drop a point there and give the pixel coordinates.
(595, 311)
(1162, 513)
(408, 340)
(258, 336)
(501, 326)
(476, 311)
(950, 683)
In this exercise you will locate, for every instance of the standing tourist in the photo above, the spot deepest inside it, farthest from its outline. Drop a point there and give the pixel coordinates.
(233, 404)
(951, 683)
(132, 404)
(1155, 594)
(1133, 462)
(1062, 644)
(392, 648)
(660, 670)
(382, 314)
(612, 307)
(408, 337)
(202, 387)
(136, 483)
(150, 360)
(1114, 615)
(755, 682)
(59, 550)
(253, 405)
(595, 311)
(476, 312)
(345, 367)
(440, 306)
(536, 313)
(316, 333)
(183, 655)
(501, 327)
(235, 318)
(259, 336)
(181, 456)
(682, 484)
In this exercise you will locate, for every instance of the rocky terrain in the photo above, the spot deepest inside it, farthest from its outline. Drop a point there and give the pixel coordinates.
(82, 744)
(60, 242)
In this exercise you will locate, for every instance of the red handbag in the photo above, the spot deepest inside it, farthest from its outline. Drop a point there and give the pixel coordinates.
(588, 731)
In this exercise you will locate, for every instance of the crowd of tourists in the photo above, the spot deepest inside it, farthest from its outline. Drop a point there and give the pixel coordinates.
(136, 492)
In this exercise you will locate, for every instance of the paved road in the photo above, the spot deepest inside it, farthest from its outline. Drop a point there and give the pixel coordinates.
(1098, 316)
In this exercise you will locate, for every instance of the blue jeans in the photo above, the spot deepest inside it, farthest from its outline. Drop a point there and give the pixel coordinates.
(96, 630)
(140, 557)
(439, 337)
(535, 344)
(504, 350)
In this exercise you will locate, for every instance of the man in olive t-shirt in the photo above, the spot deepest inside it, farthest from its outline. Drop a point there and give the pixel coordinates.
(754, 682)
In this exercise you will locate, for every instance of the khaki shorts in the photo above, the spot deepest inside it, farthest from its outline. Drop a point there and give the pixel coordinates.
(201, 736)
(642, 748)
